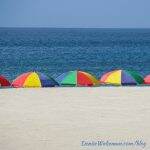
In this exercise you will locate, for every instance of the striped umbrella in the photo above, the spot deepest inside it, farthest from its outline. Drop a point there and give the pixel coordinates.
(147, 79)
(77, 78)
(34, 79)
(122, 77)
(4, 82)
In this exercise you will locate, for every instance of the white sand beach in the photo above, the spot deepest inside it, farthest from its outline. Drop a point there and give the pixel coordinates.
(61, 118)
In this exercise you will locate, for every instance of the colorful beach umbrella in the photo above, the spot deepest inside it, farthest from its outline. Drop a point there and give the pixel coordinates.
(4, 82)
(77, 78)
(147, 79)
(34, 79)
(122, 77)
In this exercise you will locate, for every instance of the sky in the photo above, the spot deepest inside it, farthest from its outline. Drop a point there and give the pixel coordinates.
(75, 13)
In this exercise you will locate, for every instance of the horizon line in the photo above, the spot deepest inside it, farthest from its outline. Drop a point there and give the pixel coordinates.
(80, 27)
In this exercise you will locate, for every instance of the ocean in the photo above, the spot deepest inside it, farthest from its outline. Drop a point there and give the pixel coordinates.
(57, 50)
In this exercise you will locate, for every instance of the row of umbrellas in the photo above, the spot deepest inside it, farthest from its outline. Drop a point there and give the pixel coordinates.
(76, 78)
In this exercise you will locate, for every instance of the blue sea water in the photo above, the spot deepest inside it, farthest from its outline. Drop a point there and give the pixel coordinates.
(57, 50)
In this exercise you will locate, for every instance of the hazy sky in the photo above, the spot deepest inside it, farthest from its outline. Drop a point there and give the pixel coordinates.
(75, 13)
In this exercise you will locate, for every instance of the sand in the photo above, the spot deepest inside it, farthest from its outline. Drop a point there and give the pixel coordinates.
(73, 118)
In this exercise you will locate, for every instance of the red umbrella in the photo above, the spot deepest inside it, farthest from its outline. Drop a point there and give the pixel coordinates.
(147, 79)
(4, 81)
(77, 78)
